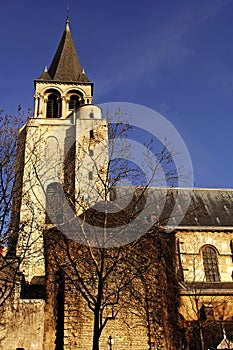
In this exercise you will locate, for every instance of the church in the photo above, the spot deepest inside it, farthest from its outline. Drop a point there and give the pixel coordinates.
(77, 287)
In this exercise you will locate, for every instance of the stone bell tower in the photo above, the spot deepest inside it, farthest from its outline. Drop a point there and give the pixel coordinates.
(62, 146)
(63, 87)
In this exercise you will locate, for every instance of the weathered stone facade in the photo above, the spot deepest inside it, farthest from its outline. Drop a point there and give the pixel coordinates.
(146, 312)
(22, 324)
(206, 300)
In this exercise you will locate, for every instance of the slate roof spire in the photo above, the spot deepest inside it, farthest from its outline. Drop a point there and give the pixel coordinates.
(65, 66)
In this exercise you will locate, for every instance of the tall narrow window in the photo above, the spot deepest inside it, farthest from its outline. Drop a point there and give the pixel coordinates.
(60, 297)
(74, 103)
(90, 175)
(210, 262)
(91, 134)
(54, 203)
(53, 106)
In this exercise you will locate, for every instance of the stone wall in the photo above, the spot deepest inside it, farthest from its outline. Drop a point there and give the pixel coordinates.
(190, 254)
(69, 321)
(22, 325)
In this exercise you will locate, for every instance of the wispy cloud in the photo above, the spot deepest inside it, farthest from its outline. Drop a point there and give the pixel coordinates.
(144, 56)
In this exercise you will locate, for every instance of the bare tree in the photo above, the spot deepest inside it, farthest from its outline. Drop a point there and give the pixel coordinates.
(12, 163)
(101, 256)
(8, 143)
(101, 239)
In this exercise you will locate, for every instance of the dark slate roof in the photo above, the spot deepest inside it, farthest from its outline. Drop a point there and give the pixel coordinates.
(210, 208)
(65, 66)
(134, 211)
(185, 208)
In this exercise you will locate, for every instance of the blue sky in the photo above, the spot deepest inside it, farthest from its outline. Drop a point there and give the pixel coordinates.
(173, 56)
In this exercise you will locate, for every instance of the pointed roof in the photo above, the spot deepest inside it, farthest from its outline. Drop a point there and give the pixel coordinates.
(65, 66)
(45, 75)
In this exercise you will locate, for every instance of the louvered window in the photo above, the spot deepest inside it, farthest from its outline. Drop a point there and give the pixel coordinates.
(53, 106)
(74, 103)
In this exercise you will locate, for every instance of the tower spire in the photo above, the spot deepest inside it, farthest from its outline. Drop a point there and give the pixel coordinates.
(65, 65)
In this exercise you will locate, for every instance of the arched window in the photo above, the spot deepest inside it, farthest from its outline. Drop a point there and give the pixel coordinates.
(210, 262)
(54, 203)
(53, 106)
(74, 103)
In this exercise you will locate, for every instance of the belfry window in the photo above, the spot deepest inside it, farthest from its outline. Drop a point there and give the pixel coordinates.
(210, 262)
(74, 103)
(53, 106)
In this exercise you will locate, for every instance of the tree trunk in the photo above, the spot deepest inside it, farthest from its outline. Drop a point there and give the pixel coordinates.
(97, 332)
(202, 339)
